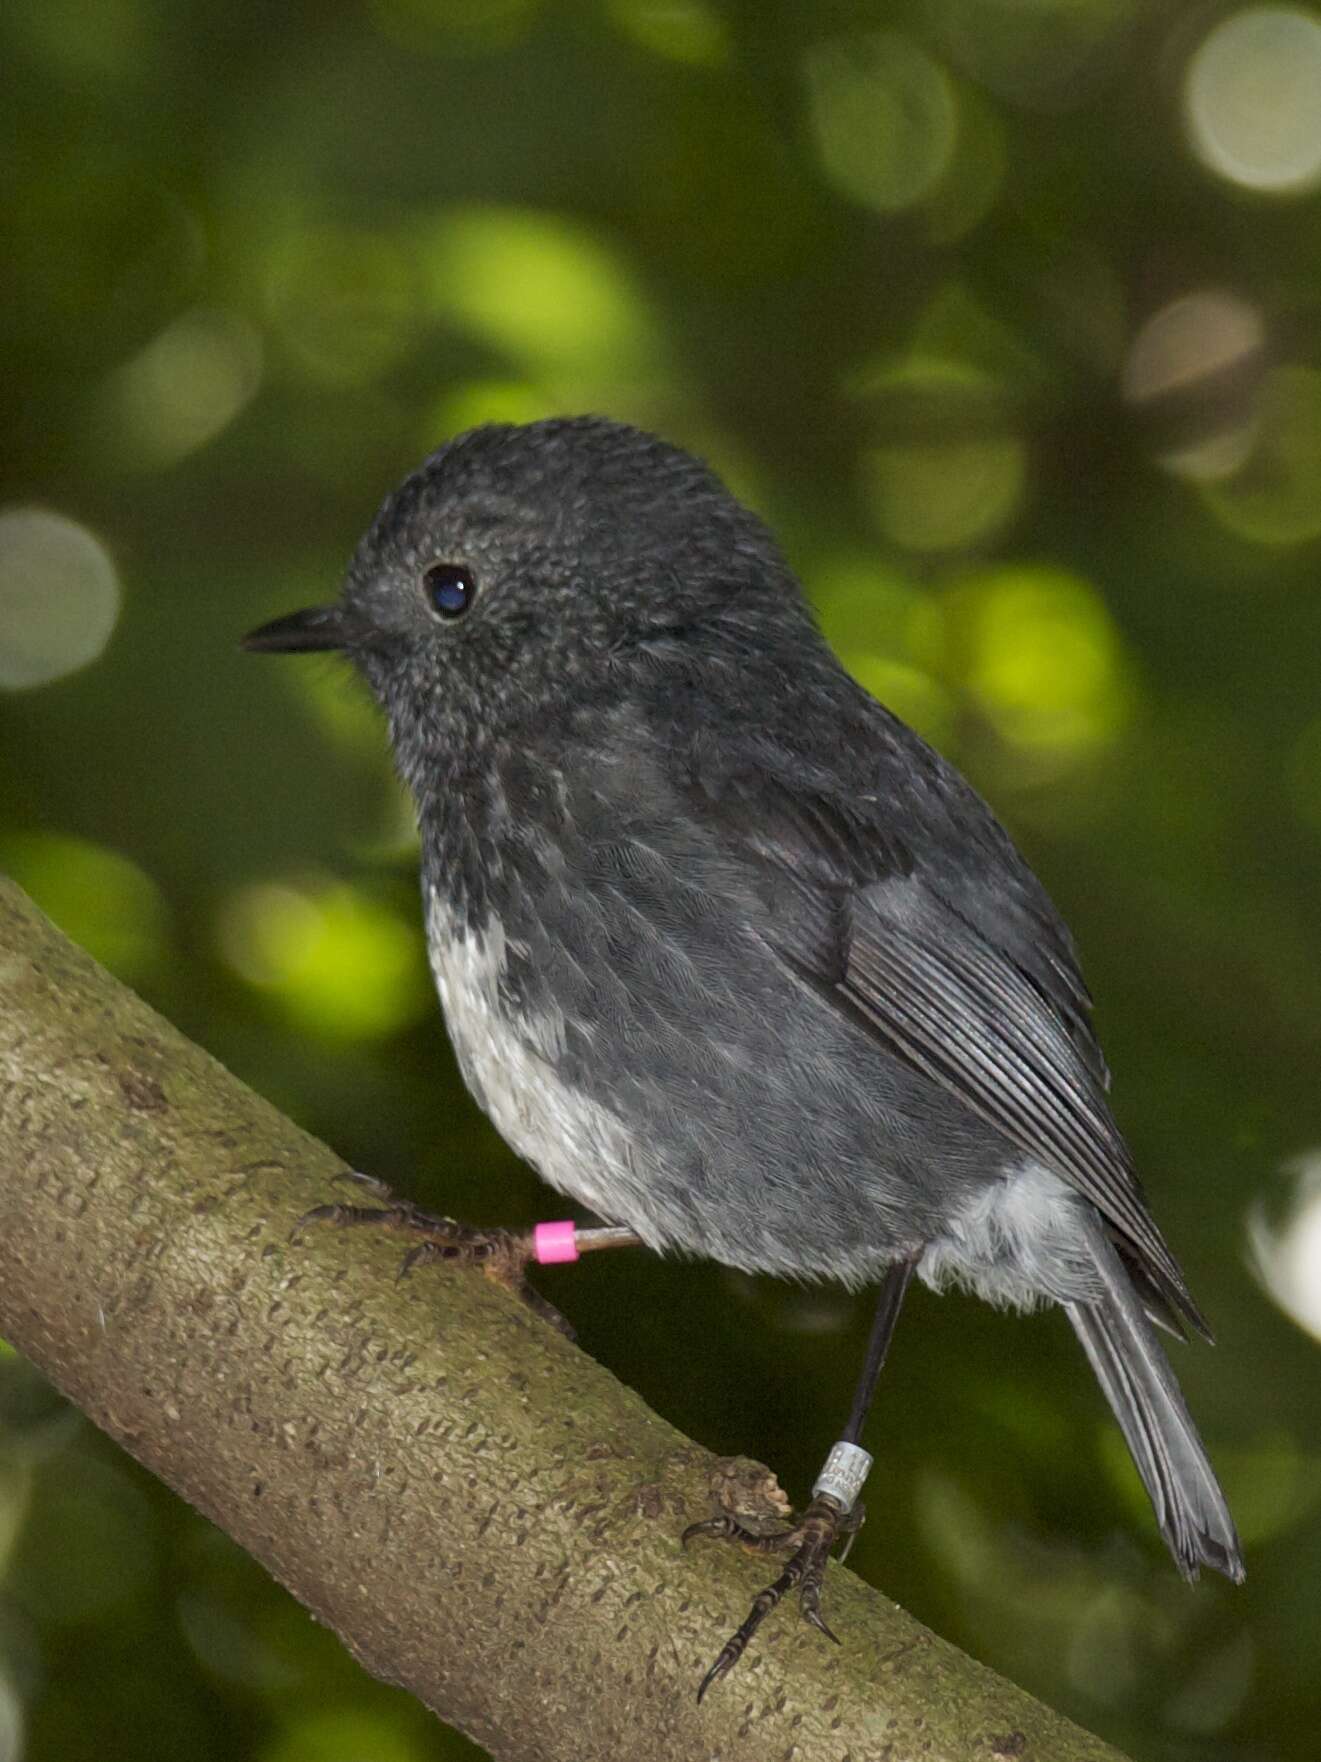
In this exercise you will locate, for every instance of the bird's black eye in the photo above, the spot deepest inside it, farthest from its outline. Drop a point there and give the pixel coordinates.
(450, 589)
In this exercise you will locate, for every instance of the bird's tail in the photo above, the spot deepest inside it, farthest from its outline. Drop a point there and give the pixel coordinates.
(1140, 1386)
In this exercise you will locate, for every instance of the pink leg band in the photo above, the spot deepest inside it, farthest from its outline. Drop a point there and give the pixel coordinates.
(553, 1243)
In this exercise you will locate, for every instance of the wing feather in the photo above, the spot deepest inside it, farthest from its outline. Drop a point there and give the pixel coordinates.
(961, 1012)
(908, 904)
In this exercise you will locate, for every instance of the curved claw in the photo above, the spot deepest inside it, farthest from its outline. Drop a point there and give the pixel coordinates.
(809, 1601)
(332, 1214)
(373, 1183)
(547, 1311)
(811, 1540)
(729, 1657)
(721, 1528)
(410, 1260)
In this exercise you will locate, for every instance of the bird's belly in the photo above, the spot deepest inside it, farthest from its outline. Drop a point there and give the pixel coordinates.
(748, 1143)
(508, 1056)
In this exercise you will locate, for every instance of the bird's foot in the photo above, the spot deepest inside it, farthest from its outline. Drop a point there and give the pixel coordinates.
(503, 1255)
(807, 1541)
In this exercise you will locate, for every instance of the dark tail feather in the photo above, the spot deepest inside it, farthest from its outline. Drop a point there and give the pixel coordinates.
(1140, 1386)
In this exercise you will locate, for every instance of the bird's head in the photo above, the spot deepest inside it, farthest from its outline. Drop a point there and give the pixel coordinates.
(521, 570)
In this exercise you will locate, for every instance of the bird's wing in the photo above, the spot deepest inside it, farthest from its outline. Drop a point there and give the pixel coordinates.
(908, 906)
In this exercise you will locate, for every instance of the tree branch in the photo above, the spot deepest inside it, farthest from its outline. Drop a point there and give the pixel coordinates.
(482, 1513)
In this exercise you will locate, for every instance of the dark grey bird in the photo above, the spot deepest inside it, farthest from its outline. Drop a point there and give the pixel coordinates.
(729, 953)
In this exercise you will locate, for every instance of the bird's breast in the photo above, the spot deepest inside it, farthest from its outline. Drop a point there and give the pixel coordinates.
(508, 1054)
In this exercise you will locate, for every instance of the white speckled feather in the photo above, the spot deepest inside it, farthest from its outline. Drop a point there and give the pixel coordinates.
(506, 1058)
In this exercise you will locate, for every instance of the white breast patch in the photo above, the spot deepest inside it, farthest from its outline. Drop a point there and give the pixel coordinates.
(506, 1058)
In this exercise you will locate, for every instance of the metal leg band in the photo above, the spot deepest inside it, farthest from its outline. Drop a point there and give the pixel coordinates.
(842, 1478)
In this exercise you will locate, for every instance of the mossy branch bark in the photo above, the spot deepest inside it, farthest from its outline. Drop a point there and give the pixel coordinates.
(481, 1512)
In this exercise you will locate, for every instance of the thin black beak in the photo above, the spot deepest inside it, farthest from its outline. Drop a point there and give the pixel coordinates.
(318, 627)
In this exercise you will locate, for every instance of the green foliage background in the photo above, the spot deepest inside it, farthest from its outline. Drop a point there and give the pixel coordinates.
(1031, 387)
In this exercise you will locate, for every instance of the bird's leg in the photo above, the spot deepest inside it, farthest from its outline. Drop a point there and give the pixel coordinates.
(834, 1513)
(503, 1255)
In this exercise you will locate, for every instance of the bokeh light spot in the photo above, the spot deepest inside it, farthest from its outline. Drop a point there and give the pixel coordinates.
(11, 1721)
(956, 1529)
(336, 697)
(1046, 1594)
(1198, 363)
(89, 1547)
(1272, 1485)
(486, 400)
(876, 620)
(183, 389)
(1219, 1683)
(954, 472)
(1039, 653)
(1200, 334)
(335, 960)
(1106, 1644)
(454, 27)
(101, 900)
(1286, 1251)
(680, 30)
(16, 1484)
(346, 1734)
(59, 597)
(913, 695)
(227, 1646)
(1273, 499)
(1302, 776)
(884, 117)
(556, 302)
(971, 183)
(108, 42)
(944, 495)
(346, 302)
(1040, 54)
(963, 351)
(1253, 99)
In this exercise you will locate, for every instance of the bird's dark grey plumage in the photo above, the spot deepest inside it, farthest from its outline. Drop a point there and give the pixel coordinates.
(726, 950)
